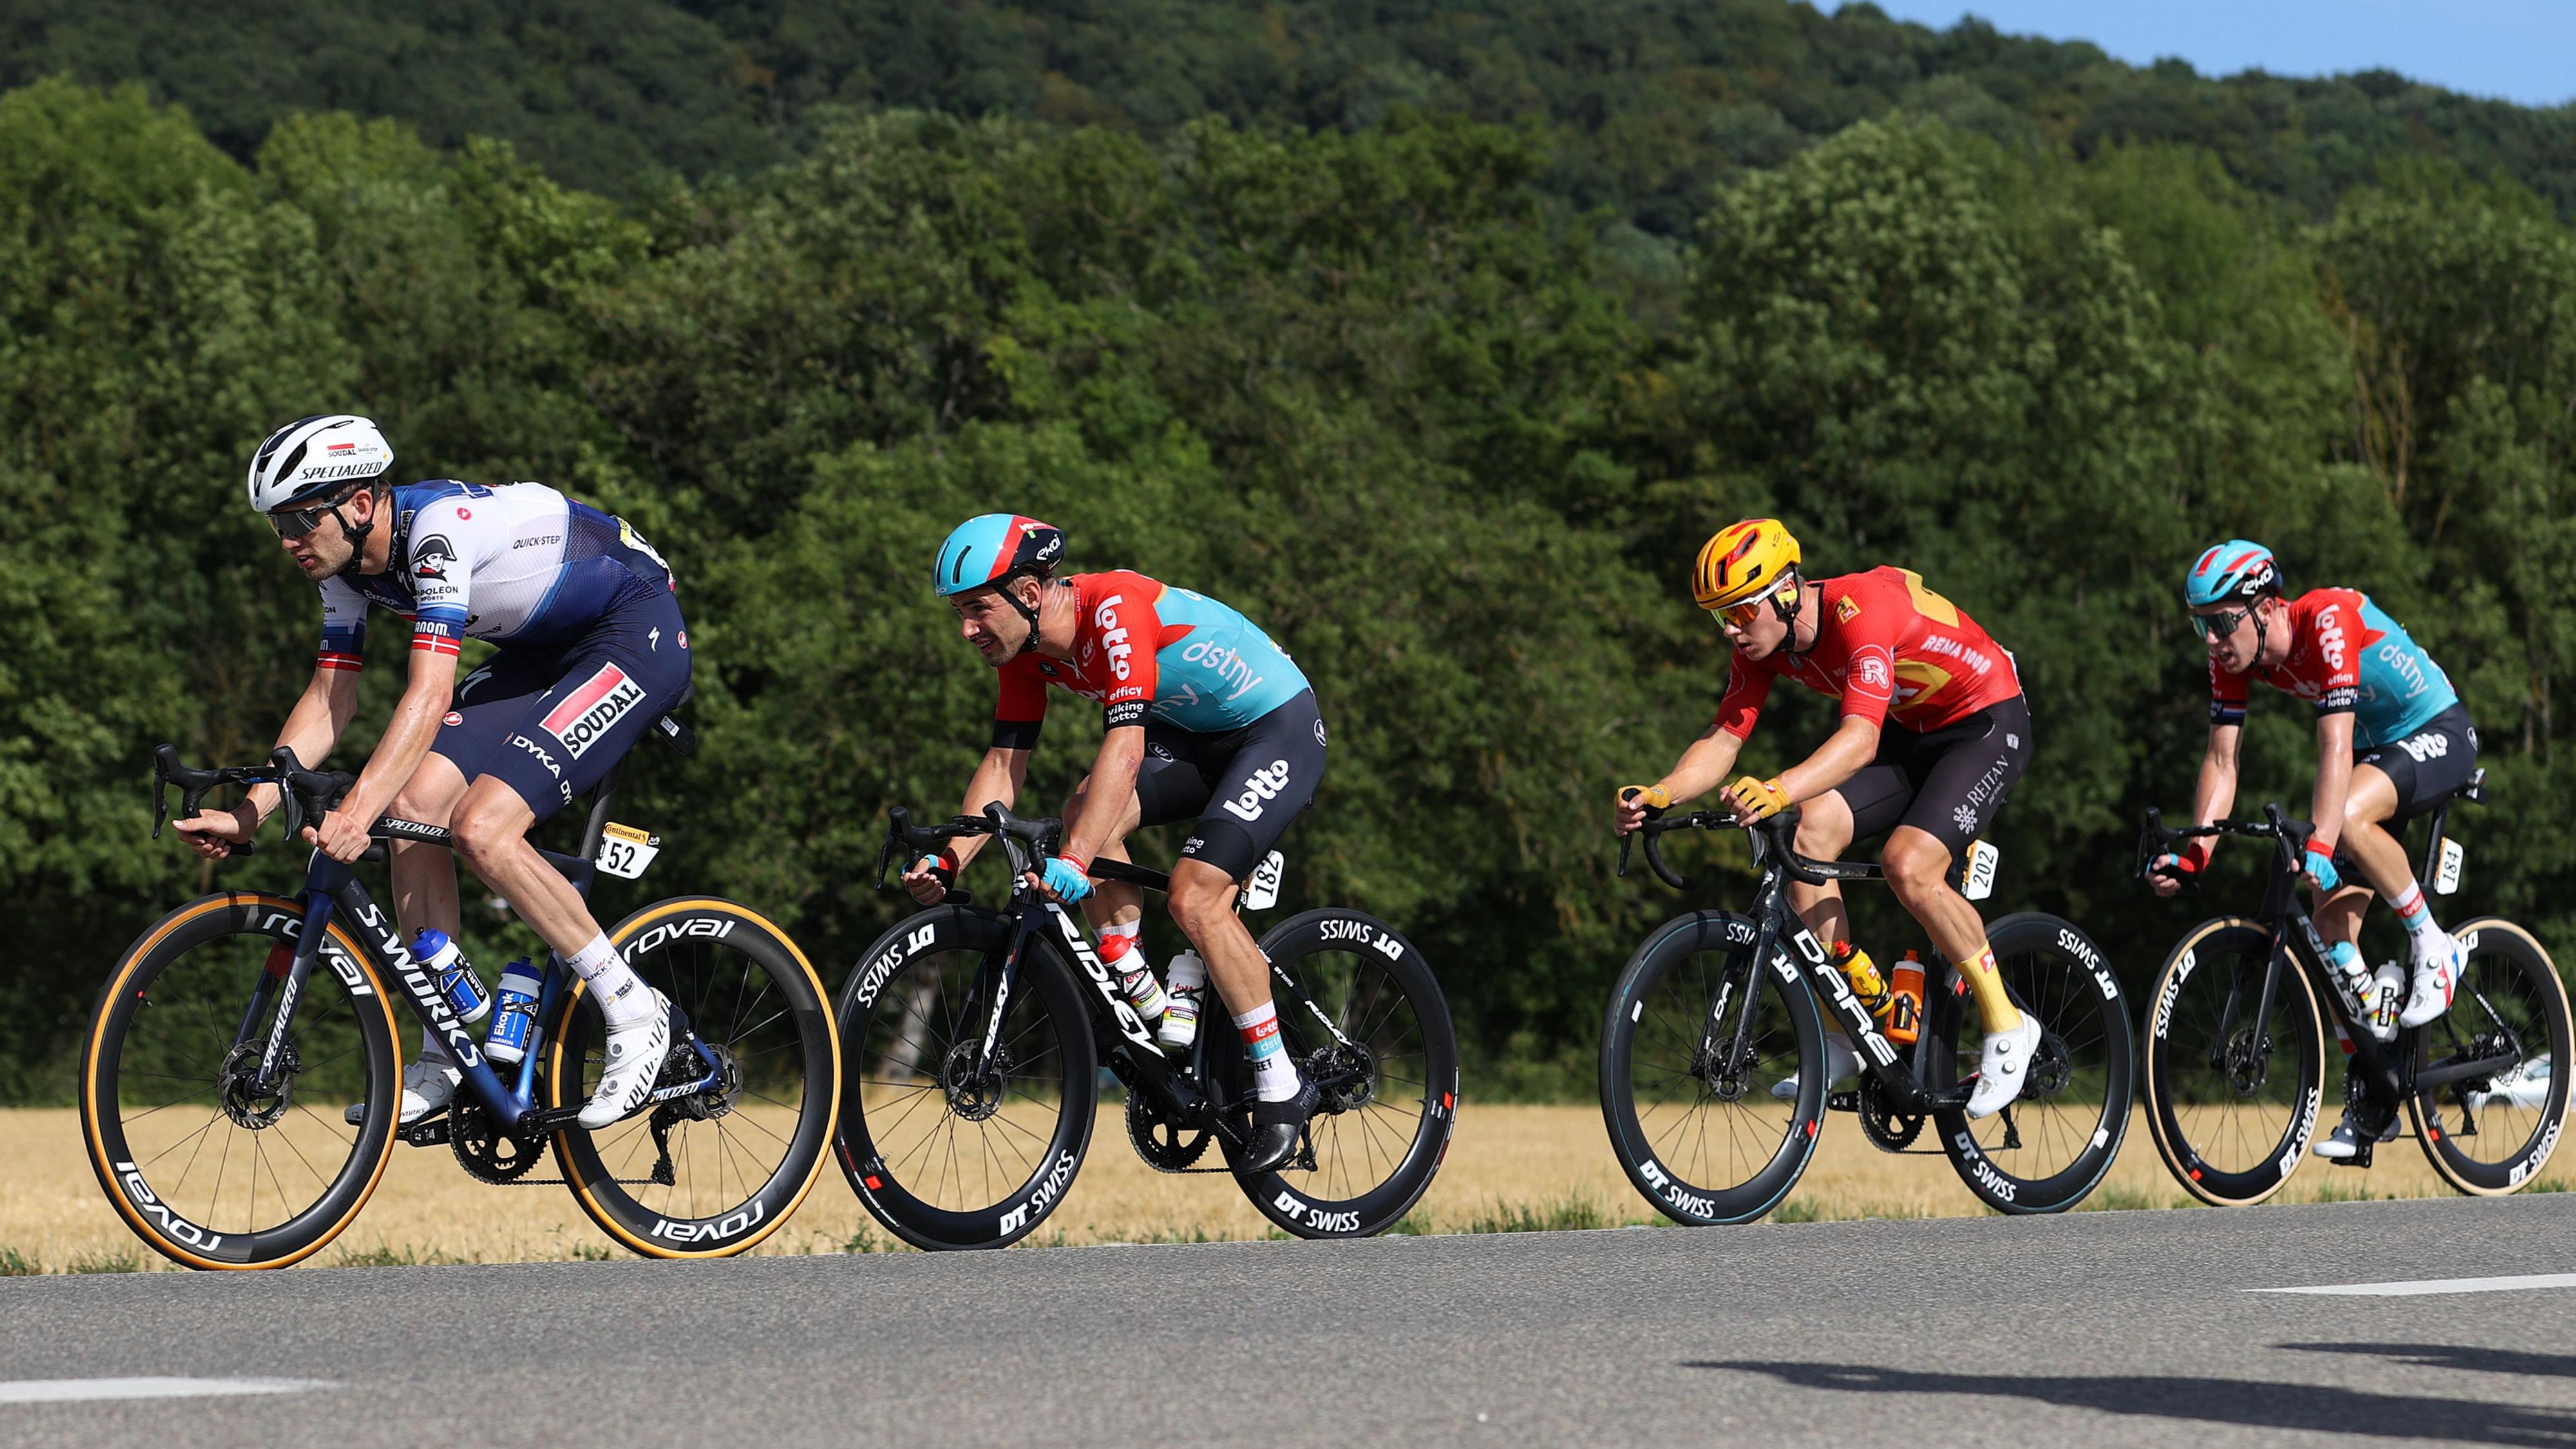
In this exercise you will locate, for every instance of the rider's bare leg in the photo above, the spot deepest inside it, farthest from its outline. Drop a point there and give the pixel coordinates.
(1824, 833)
(424, 876)
(491, 825)
(1918, 870)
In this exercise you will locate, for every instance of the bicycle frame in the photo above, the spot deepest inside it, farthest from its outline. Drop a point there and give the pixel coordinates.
(331, 889)
(1911, 1089)
(2387, 1070)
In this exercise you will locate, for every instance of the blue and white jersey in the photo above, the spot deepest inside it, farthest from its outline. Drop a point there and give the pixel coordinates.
(520, 565)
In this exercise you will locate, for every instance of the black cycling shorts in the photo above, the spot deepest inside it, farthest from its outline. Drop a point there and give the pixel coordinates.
(1948, 783)
(1244, 785)
(551, 722)
(2429, 764)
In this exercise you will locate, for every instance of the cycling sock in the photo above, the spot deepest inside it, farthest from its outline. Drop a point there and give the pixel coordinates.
(2417, 915)
(1120, 953)
(1994, 1004)
(623, 1001)
(1274, 1077)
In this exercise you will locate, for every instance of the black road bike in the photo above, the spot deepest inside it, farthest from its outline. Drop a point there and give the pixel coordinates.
(240, 1104)
(974, 1037)
(2236, 1049)
(1715, 1009)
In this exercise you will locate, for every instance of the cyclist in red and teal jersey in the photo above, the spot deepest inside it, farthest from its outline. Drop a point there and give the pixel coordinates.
(2393, 741)
(1205, 718)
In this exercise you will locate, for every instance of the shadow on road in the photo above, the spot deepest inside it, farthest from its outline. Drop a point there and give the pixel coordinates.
(2246, 1403)
(2488, 1360)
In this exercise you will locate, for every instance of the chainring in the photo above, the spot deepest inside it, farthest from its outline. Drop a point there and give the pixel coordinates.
(1887, 1129)
(1166, 1145)
(485, 1151)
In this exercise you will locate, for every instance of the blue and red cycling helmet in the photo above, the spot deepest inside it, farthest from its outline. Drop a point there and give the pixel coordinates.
(992, 548)
(2236, 569)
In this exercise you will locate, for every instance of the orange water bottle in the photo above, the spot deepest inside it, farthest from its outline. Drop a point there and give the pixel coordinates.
(1905, 1001)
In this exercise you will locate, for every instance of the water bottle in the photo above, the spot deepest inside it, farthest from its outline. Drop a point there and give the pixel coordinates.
(446, 961)
(1135, 978)
(506, 1040)
(1905, 1012)
(1867, 981)
(2387, 998)
(1187, 988)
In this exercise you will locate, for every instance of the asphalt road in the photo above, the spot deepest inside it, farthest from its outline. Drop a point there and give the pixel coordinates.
(2090, 1329)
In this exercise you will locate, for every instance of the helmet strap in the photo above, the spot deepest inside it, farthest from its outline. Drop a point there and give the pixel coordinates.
(1025, 612)
(356, 533)
(1788, 613)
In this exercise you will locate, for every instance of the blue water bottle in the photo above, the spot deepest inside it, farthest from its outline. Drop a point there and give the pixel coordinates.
(507, 1039)
(446, 960)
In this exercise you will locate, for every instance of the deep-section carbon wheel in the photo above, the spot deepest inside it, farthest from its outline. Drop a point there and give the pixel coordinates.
(207, 1167)
(2049, 1149)
(710, 1173)
(2231, 1093)
(944, 1148)
(1697, 1036)
(1362, 1016)
(2491, 1135)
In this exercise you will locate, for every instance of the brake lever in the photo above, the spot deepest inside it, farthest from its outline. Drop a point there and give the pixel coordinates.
(1630, 839)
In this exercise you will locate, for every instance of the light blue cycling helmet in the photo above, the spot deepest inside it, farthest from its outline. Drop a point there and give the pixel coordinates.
(2236, 569)
(992, 547)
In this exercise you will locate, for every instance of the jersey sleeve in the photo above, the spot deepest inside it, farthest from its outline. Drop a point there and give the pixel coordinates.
(1127, 627)
(344, 627)
(446, 546)
(2227, 695)
(1746, 687)
(2338, 628)
(1021, 711)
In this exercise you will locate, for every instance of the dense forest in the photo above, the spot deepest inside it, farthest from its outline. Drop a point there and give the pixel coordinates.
(1435, 341)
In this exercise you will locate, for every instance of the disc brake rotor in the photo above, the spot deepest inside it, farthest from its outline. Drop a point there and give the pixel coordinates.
(237, 1086)
(974, 1095)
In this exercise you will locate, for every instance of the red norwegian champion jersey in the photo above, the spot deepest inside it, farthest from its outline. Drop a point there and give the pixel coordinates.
(1888, 648)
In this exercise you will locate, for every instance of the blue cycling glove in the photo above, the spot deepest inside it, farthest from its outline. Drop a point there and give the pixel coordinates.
(1064, 876)
(2321, 867)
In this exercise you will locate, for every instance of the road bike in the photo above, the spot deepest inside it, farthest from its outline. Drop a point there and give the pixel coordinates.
(2236, 1053)
(1717, 1008)
(974, 1038)
(240, 1104)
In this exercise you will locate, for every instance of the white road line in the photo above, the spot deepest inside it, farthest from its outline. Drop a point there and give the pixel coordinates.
(2434, 1285)
(78, 1391)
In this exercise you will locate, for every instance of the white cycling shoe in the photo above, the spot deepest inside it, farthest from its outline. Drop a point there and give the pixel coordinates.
(2435, 982)
(635, 1053)
(2005, 1068)
(1842, 1059)
(428, 1084)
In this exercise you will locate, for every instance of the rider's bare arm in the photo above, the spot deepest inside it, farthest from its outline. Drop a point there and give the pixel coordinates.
(1701, 768)
(998, 779)
(2216, 793)
(1853, 744)
(313, 727)
(407, 738)
(2334, 776)
(1104, 800)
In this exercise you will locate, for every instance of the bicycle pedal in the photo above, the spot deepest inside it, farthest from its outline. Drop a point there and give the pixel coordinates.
(2359, 1158)
(1842, 1101)
(429, 1131)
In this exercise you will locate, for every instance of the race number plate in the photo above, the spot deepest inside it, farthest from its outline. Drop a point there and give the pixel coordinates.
(1261, 892)
(624, 851)
(2446, 878)
(1980, 882)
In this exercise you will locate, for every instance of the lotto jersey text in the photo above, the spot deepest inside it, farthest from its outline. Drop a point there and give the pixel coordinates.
(1889, 649)
(1145, 648)
(2346, 656)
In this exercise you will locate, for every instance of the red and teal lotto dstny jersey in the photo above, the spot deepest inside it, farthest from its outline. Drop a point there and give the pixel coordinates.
(2346, 656)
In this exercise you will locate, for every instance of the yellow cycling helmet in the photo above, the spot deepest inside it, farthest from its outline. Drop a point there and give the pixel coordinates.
(1744, 561)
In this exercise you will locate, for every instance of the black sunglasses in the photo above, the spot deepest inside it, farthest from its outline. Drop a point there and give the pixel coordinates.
(297, 522)
(2219, 626)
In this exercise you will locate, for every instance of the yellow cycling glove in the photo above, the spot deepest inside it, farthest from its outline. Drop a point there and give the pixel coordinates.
(1650, 796)
(1757, 799)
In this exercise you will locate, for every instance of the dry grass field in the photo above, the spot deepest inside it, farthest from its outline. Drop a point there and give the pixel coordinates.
(1511, 1167)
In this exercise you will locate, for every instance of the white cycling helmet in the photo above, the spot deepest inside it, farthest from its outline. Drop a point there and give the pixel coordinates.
(314, 457)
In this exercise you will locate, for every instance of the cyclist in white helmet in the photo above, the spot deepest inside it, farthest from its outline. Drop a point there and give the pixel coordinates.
(592, 651)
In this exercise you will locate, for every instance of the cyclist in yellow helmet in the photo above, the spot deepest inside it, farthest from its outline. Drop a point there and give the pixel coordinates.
(1934, 732)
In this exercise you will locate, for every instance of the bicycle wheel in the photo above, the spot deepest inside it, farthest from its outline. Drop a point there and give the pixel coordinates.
(709, 1174)
(2490, 1135)
(946, 1157)
(2231, 1101)
(206, 1169)
(1367, 1024)
(2048, 1150)
(1690, 1110)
